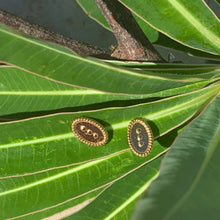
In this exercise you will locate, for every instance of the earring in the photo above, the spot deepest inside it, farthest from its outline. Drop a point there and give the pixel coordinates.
(89, 131)
(140, 137)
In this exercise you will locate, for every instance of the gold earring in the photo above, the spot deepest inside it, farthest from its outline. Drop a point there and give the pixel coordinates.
(89, 131)
(140, 137)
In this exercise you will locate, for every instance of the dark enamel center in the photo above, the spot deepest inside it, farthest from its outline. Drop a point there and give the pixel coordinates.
(139, 138)
(89, 132)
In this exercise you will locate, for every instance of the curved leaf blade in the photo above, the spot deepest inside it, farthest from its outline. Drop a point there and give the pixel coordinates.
(69, 206)
(191, 23)
(118, 200)
(92, 10)
(61, 65)
(38, 169)
(39, 140)
(21, 91)
(188, 184)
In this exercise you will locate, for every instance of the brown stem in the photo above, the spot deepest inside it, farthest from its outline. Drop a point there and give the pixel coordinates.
(132, 42)
(42, 33)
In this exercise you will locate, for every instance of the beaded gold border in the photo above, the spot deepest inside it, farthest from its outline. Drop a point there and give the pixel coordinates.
(94, 123)
(149, 132)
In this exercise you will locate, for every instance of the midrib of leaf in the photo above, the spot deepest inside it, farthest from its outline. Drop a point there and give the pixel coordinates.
(69, 211)
(38, 141)
(56, 176)
(209, 35)
(132, 198)
(49, 93)
(121, 125)
(214, 144)
(59, 204)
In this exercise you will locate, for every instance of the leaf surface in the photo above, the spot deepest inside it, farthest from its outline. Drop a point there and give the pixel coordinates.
(194, 24)
(21, 91)
(153, 35)
(118, 200)
(40, 140)
(58, 63)
(41, 159)
(188, 184)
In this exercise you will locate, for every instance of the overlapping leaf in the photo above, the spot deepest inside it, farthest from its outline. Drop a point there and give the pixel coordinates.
(44, 165)
(21, 91)
(59, 64)
(45, 171)
(188, 184)
(175, 71)
(47, 142)
(194, 24)
(153, 35)
(119, 200)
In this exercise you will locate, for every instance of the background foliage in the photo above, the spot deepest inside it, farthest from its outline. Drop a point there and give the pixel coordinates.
(45, 171)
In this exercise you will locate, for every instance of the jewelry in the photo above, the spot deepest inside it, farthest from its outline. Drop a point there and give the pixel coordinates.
(140, 137)
(89, 131)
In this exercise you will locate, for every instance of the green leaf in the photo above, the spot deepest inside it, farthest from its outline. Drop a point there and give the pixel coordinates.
(191, 23)
(54, 62)
(188, 184)
(22, 91)
(91, 8)
(45, 165)
(118, 200)
(39, 139)
(45, 171)
(67, 207)
(174, 71)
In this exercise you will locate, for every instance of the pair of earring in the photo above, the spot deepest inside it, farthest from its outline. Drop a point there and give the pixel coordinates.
(140, 137)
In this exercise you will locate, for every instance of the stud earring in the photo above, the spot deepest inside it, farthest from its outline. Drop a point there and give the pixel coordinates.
(89, 131)
(140, 137)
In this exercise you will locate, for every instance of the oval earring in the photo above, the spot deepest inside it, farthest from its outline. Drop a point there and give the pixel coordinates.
(140, 137)
(89, 131)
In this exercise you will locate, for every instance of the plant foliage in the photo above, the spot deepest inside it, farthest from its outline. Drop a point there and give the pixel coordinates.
(45, 171)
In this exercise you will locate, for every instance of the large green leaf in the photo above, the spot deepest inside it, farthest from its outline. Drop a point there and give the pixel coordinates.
(192, 24)
(58, 63)
(39, 140)
(90, 7)
(21, 91)
(45, 170)
(188, 184)
(45, 166)
(62, 209)
(119, 200)
(174, 71)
